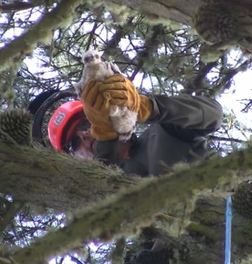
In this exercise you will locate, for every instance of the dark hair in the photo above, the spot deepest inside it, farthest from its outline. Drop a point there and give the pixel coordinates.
(75, 141)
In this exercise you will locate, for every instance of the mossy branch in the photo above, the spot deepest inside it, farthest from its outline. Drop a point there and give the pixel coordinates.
(13, 52)
(45, 178)
(159, 11)
(125, 210)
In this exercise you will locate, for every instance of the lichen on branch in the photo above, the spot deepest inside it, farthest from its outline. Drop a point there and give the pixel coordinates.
(135, 205)
(15, 51)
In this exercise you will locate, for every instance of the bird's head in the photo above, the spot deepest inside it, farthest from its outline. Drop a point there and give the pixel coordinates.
(92, 57)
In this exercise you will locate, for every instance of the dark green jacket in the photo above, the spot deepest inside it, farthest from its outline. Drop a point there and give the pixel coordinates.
(176, 133)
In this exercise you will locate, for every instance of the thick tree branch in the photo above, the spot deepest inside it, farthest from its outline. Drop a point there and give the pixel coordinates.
(204, 237)
(179, 11)
(15, 50)
(48, 179)
(122, 212)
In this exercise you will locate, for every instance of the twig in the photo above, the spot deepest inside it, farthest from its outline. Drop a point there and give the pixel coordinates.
(18, 48)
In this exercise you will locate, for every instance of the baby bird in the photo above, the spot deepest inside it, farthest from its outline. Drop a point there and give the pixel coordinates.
(123, 119)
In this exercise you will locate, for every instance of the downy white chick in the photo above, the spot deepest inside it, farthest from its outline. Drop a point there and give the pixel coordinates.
(123, 119)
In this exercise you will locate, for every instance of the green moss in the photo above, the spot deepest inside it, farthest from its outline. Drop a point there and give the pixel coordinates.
(202, 230)
(211, 217)
(242, 234)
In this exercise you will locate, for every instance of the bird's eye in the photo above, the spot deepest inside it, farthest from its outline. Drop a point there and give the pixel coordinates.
(96, 56)
(86, 59)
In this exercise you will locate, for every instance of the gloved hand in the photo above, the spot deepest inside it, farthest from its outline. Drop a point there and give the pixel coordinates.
(96, 110)
(115, 90)
(119, 90)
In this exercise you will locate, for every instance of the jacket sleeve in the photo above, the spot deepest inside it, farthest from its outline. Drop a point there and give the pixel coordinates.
(186, 116)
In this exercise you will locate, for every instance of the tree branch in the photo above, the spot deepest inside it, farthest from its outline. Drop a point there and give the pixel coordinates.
(128, 208)
(179, 11)
(203, 239)
(48, 179)
(18, 48)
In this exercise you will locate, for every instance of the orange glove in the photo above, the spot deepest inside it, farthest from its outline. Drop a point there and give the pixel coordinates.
(118, 90)
(115, 90)
(97, 112)
(145, 110)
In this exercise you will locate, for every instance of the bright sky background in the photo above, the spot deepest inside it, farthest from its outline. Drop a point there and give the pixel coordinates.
(242, 89)
(232, 101)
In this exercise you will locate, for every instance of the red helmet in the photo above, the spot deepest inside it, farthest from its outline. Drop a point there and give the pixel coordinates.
(64, 122)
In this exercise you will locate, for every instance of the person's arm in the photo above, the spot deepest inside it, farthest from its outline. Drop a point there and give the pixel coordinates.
(186, 116)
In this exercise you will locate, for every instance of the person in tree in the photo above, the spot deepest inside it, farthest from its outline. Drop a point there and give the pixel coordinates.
(177, 127)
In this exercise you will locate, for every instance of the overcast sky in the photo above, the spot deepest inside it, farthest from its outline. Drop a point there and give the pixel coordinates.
(233, 100)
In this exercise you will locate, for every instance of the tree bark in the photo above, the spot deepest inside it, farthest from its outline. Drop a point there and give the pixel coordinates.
(45, 178)
(202, 240)
(181, 11)
(40, 173)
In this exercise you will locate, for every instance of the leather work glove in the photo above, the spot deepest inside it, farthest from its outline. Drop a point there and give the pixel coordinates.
(97, 112)
(119, 90)
(115, 90)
